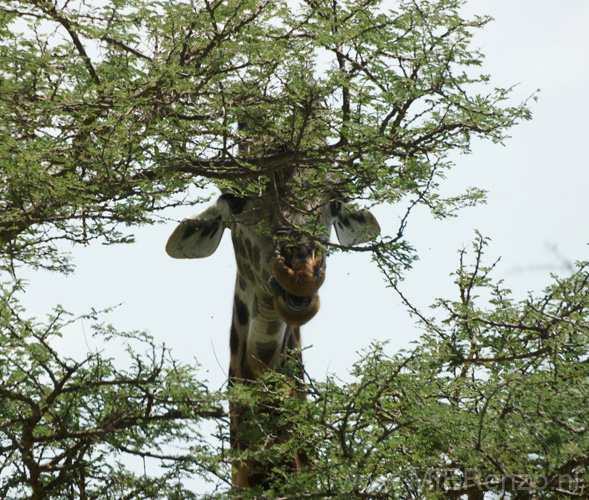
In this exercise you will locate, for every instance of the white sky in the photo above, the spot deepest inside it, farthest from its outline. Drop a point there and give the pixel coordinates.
(536, 216)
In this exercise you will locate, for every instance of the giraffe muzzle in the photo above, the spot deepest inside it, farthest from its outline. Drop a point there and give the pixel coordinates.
(299, 273)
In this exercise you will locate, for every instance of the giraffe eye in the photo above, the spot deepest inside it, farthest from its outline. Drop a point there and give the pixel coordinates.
(335, 208)
(236, 203)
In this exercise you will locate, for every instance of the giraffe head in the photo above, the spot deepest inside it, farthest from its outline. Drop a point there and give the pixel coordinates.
(274, 256)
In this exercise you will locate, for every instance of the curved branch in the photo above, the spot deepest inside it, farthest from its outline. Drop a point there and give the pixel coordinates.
(69, 27)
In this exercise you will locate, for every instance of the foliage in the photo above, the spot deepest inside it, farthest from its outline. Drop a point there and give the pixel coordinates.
(107, 109)
(110, 111)
(69, 429)
(492, 402)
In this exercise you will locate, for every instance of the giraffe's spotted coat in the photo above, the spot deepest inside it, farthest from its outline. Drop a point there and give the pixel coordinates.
(241, 311)
(273, 327)
(266, 351)
(233, 339)
(275, 289)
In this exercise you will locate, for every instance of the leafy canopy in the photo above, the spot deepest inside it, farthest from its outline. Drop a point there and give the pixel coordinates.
(78, 427)
(492, 402)
(110, 109)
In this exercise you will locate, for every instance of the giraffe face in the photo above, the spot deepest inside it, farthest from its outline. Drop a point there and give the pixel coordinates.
(273, 260)
(282, 264)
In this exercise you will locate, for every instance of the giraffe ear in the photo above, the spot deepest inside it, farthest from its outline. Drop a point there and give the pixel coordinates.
(355, 226)
(199, 235)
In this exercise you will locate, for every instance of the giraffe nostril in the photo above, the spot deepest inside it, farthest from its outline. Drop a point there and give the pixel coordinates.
(319, 267)
(302, 252)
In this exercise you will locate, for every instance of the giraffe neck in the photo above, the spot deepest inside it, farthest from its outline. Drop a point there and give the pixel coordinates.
(260, 340)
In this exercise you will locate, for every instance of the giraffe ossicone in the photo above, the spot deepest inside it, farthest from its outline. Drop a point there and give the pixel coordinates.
(280, 269)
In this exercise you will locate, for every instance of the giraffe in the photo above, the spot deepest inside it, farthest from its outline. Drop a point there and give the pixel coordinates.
(279, 272)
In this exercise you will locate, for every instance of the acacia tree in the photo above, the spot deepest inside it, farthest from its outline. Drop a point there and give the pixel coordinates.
(108, 110)
(111, 110)
(493, 402)
(75, 428)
